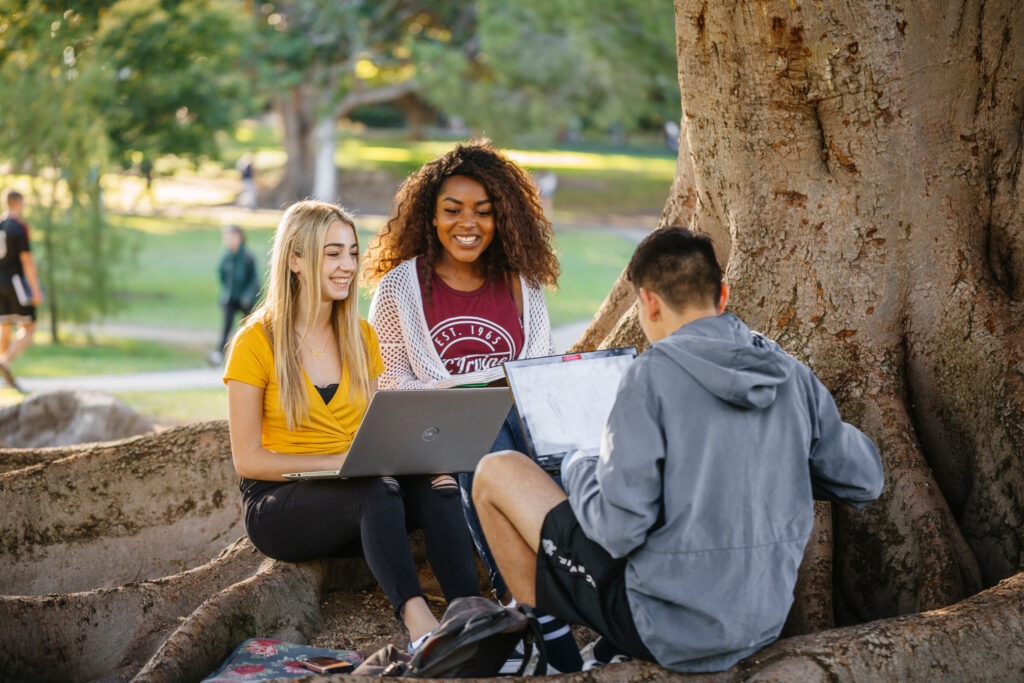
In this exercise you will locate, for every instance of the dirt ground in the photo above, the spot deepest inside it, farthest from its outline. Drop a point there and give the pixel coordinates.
(361, 621)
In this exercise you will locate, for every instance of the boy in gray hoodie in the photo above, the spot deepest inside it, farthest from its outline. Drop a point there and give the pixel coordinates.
(681, 542)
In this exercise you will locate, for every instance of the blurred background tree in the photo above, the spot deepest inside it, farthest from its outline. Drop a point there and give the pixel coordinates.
(127, 82)
(167, 75)
(90, 81)
(546, 70)
(524, 72)
(50, 133)
(319, 60)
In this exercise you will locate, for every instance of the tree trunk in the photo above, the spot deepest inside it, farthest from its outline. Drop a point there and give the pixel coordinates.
(858, 166)
(308, 123)
(325, 179)
(298, 122)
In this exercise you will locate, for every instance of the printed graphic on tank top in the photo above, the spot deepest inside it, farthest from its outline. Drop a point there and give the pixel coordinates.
(475, 330)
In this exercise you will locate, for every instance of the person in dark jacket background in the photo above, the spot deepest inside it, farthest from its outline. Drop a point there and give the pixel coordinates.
(239, 284)
(680, 542)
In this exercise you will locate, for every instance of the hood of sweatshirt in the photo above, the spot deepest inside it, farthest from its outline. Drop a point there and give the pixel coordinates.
(729, 360)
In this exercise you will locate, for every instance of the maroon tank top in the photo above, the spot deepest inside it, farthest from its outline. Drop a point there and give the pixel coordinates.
(473, 330)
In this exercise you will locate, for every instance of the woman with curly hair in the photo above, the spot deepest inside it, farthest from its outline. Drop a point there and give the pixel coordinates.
(459, 270)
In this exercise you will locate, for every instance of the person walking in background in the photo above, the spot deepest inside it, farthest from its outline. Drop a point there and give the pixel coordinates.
(20, 292)
(672, 136)
(147, 192)
(247, 170)
(547, 183)
(239, 284)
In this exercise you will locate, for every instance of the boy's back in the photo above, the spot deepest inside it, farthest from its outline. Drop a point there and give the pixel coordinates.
(705, 484)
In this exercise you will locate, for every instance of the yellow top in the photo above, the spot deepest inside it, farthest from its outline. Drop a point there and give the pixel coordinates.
(328, 428)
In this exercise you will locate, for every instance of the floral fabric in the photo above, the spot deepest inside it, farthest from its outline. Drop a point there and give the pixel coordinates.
(263, 659)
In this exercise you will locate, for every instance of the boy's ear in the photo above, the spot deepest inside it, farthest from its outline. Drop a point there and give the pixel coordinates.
(723, 298)
(651, 304)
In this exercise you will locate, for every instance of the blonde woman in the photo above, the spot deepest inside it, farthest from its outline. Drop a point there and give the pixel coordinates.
(300, 373)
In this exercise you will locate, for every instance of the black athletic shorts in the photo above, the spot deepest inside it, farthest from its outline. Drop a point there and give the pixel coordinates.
(12, 310)
(579, 582)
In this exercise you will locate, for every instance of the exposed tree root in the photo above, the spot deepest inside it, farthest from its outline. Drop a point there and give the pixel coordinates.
(280, 601)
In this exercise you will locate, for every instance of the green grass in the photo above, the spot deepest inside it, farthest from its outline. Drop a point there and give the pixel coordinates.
(591, 262)
(174, 282)
(76, 355)
(178, 407)
(174, 279)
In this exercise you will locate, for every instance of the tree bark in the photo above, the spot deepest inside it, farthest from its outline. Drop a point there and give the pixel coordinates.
(298, 124)
(972, 641)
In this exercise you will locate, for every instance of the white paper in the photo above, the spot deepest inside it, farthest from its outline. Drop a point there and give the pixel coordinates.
(565, 405)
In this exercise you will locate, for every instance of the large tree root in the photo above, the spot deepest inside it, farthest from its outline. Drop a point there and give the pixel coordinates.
(978, 639)
(180, 625)
(281, 601)
(109, 632)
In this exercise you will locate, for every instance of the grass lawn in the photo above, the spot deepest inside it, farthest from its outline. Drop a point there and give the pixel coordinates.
(174, 282)
(76, 355)
(178, 407)
(591, 262)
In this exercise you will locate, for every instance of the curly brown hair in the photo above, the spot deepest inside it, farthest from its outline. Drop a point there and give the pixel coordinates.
(523, 238)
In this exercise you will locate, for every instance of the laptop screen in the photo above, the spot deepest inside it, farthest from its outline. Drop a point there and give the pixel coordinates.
(564, 401)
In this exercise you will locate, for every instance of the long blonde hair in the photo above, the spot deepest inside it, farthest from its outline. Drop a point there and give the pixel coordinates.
(303, 231)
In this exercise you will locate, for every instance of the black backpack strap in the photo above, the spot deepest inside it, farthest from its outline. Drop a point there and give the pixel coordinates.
(533, 636)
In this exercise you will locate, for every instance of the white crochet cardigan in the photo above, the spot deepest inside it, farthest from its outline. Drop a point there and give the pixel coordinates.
(410, 359)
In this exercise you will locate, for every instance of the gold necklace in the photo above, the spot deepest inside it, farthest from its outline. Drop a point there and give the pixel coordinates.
(317, 354)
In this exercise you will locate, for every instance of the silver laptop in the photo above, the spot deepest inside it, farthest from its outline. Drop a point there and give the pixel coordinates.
(564, 401)
(427, 431)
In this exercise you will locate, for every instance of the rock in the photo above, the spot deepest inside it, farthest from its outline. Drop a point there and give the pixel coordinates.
(64, 418)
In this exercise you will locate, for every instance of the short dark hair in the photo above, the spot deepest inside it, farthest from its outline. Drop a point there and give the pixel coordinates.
(679, 266)
(14, 195)
(237, 229)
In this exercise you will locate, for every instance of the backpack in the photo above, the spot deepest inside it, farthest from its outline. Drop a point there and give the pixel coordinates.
(473, 640)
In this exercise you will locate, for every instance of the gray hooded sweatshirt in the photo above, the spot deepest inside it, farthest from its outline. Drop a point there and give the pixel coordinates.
(714, 450)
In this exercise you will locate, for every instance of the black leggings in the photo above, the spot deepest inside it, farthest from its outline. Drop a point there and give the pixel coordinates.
(302, 521)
